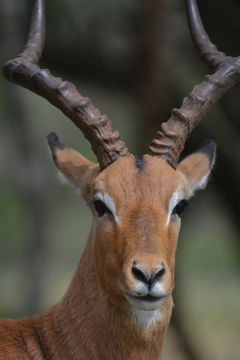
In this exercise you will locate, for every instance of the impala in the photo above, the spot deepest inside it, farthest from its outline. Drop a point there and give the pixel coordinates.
(119, 303)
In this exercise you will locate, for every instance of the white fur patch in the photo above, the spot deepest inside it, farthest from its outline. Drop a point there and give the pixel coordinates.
(139, 289)
(62, 178)
(157, 290)
(176, 197)
(146, 318)
(200, 185)
(203, 182)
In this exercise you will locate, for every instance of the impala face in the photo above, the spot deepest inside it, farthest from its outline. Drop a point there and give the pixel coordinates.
(136, 227)
(137, 204)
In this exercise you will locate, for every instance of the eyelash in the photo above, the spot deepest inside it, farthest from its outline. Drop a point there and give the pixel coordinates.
(101, 208)
(180, 207)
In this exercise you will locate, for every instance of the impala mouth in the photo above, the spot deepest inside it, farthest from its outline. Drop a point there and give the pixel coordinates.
(147, 302)
(148, 298)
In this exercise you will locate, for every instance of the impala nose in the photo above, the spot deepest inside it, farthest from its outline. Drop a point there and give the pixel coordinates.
(149, 279)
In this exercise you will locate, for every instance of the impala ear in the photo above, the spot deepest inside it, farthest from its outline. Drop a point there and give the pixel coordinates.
(78, 170)
(197, 167)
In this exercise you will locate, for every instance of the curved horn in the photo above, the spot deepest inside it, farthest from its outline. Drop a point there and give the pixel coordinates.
(206, 48)
(24, 71)
(171, 138)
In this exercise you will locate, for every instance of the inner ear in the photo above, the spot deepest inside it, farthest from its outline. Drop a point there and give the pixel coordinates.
(197, 167)
(78, 170)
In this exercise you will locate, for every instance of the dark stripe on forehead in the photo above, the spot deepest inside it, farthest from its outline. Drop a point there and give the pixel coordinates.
(139, 162)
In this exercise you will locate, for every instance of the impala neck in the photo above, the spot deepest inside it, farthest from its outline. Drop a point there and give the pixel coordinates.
(90, 326)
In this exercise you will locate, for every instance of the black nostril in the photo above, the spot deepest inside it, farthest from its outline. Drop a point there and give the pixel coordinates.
(141, 275)
(158, 274)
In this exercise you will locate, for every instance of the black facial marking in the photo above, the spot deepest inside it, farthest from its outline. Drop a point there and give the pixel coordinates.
(139, 162)
(54, 143)
(208, 147)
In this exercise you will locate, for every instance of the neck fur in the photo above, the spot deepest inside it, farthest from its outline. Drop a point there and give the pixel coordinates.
(90, 326)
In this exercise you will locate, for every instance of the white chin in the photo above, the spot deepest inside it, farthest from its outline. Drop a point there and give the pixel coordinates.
(142, 303)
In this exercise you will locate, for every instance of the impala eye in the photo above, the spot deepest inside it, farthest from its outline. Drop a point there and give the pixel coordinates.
(179, 208)
(101, 208)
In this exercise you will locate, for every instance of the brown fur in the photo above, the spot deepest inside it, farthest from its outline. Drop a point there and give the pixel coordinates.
(93, 320)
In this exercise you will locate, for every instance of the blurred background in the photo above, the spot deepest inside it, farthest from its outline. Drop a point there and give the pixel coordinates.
(135, 59)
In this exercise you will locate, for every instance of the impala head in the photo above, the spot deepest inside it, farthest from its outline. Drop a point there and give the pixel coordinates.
(137, 204)
(136, 201)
